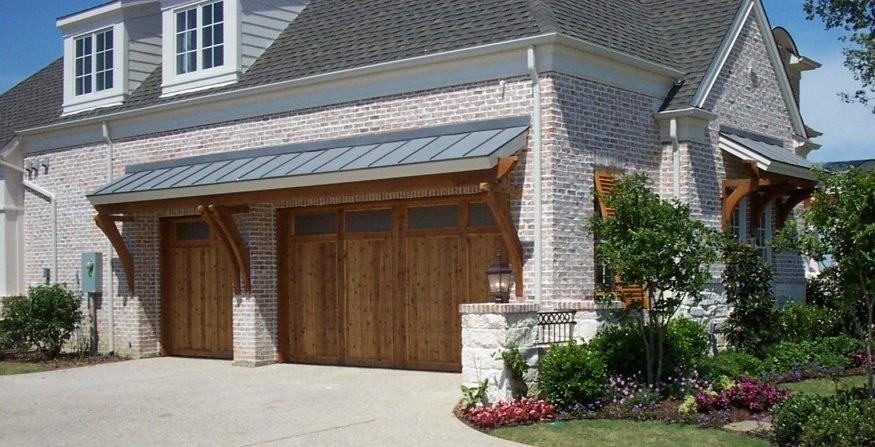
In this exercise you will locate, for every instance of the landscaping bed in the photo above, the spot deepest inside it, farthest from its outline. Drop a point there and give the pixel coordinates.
(30, 362)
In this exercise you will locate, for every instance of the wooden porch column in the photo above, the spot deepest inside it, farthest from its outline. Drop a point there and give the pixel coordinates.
(740, 188)
(220, 220)
(795, 198)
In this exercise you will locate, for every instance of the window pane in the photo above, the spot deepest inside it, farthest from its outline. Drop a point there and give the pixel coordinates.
(192, 19)
(218, 12)
(100, 63)
(479, 214)
(208, 58)
(108, 39)
(208, 14)
(366, 221)
(219, 56)
(444, 216)
(207, 37)
(100, 81)
(80, 48)
(87, 43)
(79, 86)
(108, 81)
(180, 21)
(192, 231)
(219, 33)
(307, 224)
(100, 42)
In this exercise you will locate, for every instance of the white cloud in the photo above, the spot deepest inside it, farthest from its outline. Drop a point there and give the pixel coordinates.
(849, 129)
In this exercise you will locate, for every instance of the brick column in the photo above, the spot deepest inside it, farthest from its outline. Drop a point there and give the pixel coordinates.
(255, 313)
(138, 316)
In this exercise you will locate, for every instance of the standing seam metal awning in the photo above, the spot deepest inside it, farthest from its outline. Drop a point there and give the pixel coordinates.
(454, 148)
(768, 157)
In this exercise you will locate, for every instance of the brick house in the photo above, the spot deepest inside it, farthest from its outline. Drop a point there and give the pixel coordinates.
(327, 181)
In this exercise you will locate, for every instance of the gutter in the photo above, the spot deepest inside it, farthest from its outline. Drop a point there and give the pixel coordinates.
(111, 292)
(675, 158)
(515, 44)
(536, 148)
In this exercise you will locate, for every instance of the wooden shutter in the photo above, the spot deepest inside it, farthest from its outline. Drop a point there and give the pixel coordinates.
(629, 293)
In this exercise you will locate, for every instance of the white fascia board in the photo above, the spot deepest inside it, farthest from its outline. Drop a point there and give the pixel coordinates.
(624, 58)
(99, 11)
(764, 163)
(754, 7)
(475, 64)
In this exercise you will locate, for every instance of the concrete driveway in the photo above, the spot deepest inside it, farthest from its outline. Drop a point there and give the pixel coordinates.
(175, 401)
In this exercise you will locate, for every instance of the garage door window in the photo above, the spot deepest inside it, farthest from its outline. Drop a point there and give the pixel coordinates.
(479, 215)
(444, 216)
(369, 221)
(192, 231)
(311, 224)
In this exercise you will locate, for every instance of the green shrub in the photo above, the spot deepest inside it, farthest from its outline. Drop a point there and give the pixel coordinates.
(686, 344)
(798, 322)
(747, 279)
(571, 374)
(791, 416)
(622, 347)
(845, 419)
(732, 365)
(827, 352)
(44, 319)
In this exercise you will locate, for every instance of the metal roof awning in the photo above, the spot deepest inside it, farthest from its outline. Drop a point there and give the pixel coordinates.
(768, 157)
(447, 149)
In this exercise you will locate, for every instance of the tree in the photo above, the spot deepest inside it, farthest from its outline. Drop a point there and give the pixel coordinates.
(841, 224)
(654, 243)
(857, 17)
(748, 282)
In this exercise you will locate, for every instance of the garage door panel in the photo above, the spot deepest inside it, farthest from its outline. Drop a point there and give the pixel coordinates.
(369, 287)
(198, 293)
(315, 302)
(433, 292)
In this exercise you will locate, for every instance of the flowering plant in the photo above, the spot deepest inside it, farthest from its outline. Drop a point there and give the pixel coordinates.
(747, 394)
(512, 412)
(858, 358)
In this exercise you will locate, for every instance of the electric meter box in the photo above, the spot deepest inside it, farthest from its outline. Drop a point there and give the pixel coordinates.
(91, 272)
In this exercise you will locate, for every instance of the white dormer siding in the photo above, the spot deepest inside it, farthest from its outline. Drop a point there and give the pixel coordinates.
(201, 44)
(262, 22)
(107, 53)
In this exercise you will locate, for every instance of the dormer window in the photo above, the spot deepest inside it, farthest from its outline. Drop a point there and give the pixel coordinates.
(94, 62)
(201, 48)
(201, 27)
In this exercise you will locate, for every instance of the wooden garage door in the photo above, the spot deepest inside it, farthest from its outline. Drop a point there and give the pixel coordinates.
(382, 286)
(196, 291)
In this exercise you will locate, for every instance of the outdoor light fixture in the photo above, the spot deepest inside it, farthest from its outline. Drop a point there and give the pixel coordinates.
(498, 276)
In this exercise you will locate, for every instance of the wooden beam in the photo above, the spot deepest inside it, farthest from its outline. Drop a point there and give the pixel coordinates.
(739, 190)
(225, 220)
(344, 189)
(121, 218)
(795, 198)
(759, 204)
(498, 203)
(211, 221)
(109, 228)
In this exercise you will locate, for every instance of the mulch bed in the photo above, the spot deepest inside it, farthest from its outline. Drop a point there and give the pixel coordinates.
(63, 361)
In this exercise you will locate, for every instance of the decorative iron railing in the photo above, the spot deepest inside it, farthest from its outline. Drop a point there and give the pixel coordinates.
(555, 327)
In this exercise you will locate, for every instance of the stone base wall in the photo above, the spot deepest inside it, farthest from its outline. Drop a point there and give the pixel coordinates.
(488, 328)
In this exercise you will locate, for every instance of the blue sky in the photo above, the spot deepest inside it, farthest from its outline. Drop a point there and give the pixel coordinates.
(31, 41)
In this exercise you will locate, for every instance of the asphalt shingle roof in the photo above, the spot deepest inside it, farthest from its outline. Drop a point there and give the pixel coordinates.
(332, 35)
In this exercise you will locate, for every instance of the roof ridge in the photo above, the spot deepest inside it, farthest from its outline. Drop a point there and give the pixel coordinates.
(543, 15)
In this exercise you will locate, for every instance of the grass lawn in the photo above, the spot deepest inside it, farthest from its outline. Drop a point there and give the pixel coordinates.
(611, 433)
(9, 368)
(824, 387)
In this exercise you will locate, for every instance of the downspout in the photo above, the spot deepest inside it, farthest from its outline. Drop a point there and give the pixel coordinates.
(50, 197)
(110, 293)
(536, 147)
(675, 158)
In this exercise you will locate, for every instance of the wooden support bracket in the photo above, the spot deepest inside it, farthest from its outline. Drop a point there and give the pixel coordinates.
(505, 165)
(210, 220)
(497, 200)
(737, 190)
(225, 220)
(107, 224)
(795, 198)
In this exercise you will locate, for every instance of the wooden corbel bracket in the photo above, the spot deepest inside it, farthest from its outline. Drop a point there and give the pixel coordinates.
(107, 224)
(221, 222)
(498, 202)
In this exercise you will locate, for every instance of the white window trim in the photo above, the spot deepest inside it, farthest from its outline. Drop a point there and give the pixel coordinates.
(108, 97)
(200, 79)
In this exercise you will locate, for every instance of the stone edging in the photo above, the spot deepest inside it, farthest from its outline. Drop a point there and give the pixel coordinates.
(514, 308)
